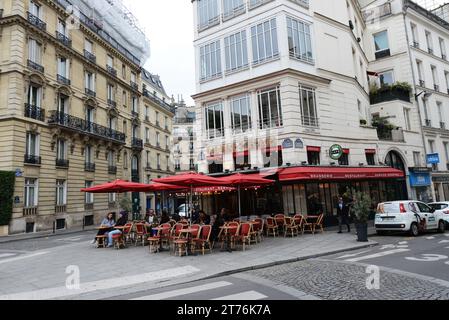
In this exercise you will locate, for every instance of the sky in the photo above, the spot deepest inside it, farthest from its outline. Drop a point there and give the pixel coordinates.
(168, 25)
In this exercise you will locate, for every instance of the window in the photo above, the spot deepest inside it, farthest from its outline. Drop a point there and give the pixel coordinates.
(62, 28)
(446, 76)
(415, 35)
(167, 144)
(432, 146)
(446, 151)
(192, 165)
(370, 157)
(166, 123)
(157, 139)
(88, 197)
(214, 120)
(147, 135)
(63, 67)
(177, 164)
(112, 197)
(111, 158)
(241, 113)
(135, 104)
(386, 78)
(440, 115)
(429, 42)
(35, 51)
(236, 51)
(125, 127)
(147, 113)
(417, 158)
(210, 61)
(125, 160)
(90, 81)
(133, 77)
(232, 8)
(426, 114)
(124, 99)
(110, 92)
(110, 61)
(35, 9)
(89, 46)
(61, 192)
(382, 48)
(270, 111)
(308, 106)
(61, 150)
(90, 114)
(157, 118)
(299, 40)
(407, 119)
(31, 193)
(62, 106)
(158, 159)
(207, 13)
(344, 159)
(442, 48)
(313, 156)
(435, 77)
(264, 41)
(124, 71)
(34, 95)
(420, 72)
(88, 154)
(32, 144)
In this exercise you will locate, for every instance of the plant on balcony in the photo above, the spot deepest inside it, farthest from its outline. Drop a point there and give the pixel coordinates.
(7, 180)
(397, 90)
(383, 126)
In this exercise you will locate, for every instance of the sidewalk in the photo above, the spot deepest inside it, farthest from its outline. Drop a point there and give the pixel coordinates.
(44, 234)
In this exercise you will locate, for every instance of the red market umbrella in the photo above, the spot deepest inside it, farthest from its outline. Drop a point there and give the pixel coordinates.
(117, 186)
(245, 180)
(156, 186)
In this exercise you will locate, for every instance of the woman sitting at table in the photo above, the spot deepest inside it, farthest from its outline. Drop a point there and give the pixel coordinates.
(164, 218)
(203, 218)
(120, 223)
(106, 225)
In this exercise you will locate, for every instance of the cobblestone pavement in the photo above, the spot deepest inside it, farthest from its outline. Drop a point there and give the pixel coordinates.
(333, 280)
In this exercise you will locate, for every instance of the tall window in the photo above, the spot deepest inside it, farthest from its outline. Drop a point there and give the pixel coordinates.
(232, 8)
(270, 111)
(88, 154)
(370, 157)
(236, 51)
(313, 156)
(210, 57)
(381, 45)
(440, 115)
(88, 197)
(442, 48)
(35, 9)
(417, 158)
(90, 81)
(446, 151)
(241, 113)
(89, 46)
(435, 77)
(63, 102)
(158, 159)
(407, 119)
(420, 72)
(386, 78)
(344, 159)
(31, 193)
(110, 61)
(264, 41)
(147, 135)
(429, 42)
(415, 35)
(158, 143)
(63, 67)
(299, 40)
(148, 158)
(62, 28)
(35, 51)
(32, 144)
(133, 77)
(61, 192)
(207, 13)
(135, 104)
(61, 150)
(110, 92)
(111, 159)
(308, 106)
(34, 95)
(214, 120)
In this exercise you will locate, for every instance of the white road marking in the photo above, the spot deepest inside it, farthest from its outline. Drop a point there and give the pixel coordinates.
(70, 239)
(444, 241)
(181, 292)
(403, 242)
(430, 238)
(353, 254)
(59, 292)
(23, 257)
(387, 246)
(4, 255)
(402, 246)
(247, 295)
(428, 258)
(377, 255)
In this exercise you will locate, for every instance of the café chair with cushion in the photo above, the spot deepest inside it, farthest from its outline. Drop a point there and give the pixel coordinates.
(299, 221)
(140, 234)
(180, 246)
(118, 241)
(203, 239)
(312, 226)
(290, 227)
(271, 228)
(175, 234)
(233, 232)
(260, 228)
(101, 241)
(128, 233)
(280, 219)
(244, 235)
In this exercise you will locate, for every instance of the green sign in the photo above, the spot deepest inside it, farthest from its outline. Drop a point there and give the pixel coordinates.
(335, 152)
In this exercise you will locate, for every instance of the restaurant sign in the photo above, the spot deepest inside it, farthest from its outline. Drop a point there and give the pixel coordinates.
(335, 152)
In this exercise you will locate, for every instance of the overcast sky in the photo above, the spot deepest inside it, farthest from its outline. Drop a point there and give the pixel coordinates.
(169, 26)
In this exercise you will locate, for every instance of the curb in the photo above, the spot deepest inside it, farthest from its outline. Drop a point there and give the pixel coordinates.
(42, 235)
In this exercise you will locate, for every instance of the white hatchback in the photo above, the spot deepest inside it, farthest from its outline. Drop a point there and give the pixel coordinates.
(443, 208)
(408, 216)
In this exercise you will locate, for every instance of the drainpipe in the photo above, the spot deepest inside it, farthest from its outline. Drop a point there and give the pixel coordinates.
(404, 13)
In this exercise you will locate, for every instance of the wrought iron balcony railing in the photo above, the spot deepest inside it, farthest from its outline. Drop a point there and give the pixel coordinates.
(89, 167)
(35, 21)
(422, 83)
(34, 112)
(134, 114)
(428, 123)
(134, 85)
(157, 100)
(62, 163)
(443, 125)
(32, 159)
(111, 70)
(35, 66)
(63, 80)
(112, 103)
(90, 56)
(63, 39)
(87, 127)
(90, 92)
(137, 143)
(112, 170)
(436, 87)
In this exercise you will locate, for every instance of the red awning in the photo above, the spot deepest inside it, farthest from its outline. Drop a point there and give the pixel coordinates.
(346, 151)
(241, 154)
(314, 149)
(370, 151)
(339, 173)
(245, 180)
(273, 149)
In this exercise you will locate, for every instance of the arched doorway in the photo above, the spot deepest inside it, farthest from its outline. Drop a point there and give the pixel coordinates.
(396, 189)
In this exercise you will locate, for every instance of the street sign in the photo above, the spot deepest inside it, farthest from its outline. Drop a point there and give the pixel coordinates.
(19, 173)
(299, 144)
(287, 144)
(335, 152)
(433, 158)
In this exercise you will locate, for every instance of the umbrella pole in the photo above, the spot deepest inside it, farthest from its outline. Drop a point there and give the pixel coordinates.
(240, 208)
(191, 203)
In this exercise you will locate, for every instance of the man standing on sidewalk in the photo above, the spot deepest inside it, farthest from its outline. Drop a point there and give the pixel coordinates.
(343, 214)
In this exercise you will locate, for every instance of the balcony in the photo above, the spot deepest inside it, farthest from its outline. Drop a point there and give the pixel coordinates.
(111, 71)
(416, 44)
(89, 128)
(443, 125)
(395, 135)
(383, 54)
(436, 87)
(157, 100)
(35, 21)
(430, 50)
(90, 92)
(112, 170)
(32, 159)
(89, 167)
(63, 80)
(134, 114)
(310, 122)
(30, 211)
(137, 143)
(35, 66)
(390, 93)
(134, 85)
(90, 56)
(34, 112)
(62, 163)
(63, 39)
(61, 208)
(112, 103)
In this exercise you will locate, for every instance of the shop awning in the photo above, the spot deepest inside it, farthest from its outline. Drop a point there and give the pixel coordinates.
(339, 173)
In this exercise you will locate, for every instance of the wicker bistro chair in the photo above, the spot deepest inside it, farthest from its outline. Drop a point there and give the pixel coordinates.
(244, 235)
(280, 220)
(290, 227)
(312, 226)
(203, 239)
(175, 235)
(233, 232)
(254, 233)
(299, 222)
(260, 228)
(128, 233)
(140, 233)
(101, 241)
(272, 228)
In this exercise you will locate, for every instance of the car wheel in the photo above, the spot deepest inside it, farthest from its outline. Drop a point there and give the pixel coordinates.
(441, 226)
(414, 231)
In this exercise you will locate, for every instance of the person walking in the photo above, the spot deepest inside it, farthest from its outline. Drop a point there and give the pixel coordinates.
(343, 214)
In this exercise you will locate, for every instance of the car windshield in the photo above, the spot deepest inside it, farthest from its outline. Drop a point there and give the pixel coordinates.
(438, 206)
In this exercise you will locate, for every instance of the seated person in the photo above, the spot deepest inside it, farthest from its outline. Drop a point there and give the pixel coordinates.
(176, 216)
(108, 222)
(164, 218)
(203, 218)
(219, 222)
(120, 223)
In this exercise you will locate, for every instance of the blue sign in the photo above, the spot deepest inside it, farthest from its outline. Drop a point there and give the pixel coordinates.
(287, 144)
(421, 179)
(19, 173)
(433, 158)
(299, 144)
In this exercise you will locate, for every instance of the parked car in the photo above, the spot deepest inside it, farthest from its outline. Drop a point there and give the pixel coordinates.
(408, 216)
(183, 210)
(443, 208)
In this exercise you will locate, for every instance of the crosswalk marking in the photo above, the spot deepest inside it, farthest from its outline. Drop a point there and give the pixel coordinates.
(4, 255)
(60, 292)
(430, 238)
(181, 292)
(377, 255)
(443, 241)
(247, 295)
(23, 257)
(353, 254)
(403, 242)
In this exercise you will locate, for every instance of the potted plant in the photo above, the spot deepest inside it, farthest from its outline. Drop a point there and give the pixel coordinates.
(125, 204)
(360, 210)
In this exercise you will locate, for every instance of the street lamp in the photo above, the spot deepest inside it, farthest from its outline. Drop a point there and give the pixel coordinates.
(426, 95)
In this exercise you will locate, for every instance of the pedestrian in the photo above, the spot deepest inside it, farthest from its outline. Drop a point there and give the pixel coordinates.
(343, 214)
(106, 225)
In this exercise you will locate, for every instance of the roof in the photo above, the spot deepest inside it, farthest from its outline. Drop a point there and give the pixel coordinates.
(153, 80)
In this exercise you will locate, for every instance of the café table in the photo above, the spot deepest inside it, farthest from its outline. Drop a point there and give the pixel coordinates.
(187, 234)
(227, 235)
(159, 231)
